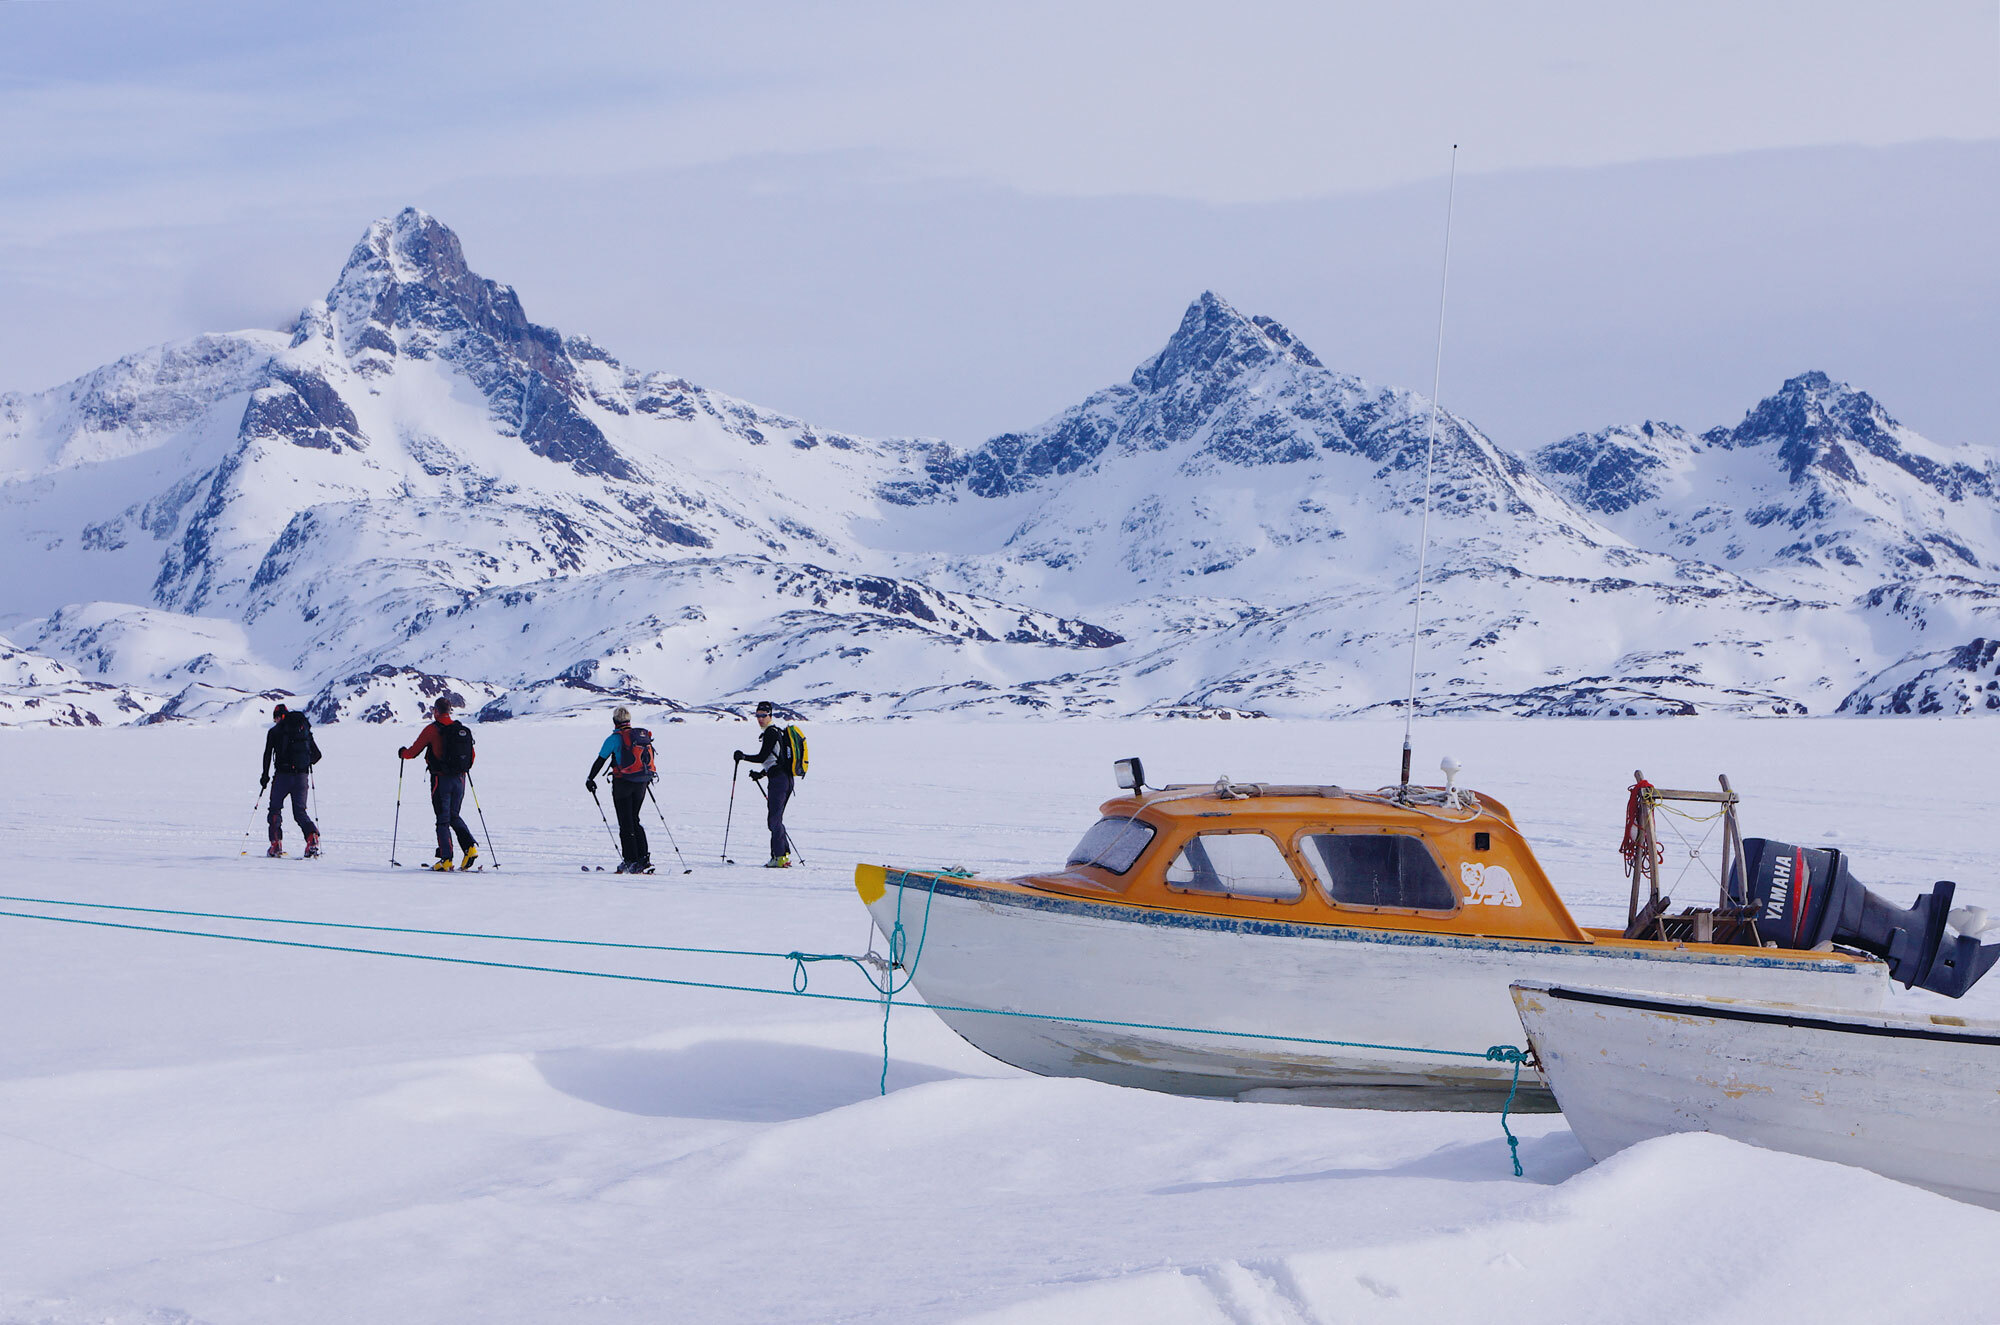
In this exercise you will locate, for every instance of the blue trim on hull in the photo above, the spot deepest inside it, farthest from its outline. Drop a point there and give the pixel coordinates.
(952, 886)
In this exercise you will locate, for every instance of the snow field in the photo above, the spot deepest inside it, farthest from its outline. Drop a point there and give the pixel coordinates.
(200, 1130)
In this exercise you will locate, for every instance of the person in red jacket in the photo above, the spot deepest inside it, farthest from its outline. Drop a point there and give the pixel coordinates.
(446, 746)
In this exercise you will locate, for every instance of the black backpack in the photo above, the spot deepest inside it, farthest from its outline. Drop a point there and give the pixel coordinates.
(455, 743)
(295, 744)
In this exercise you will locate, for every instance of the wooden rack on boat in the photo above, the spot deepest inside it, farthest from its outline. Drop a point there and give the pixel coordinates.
(1732, 919)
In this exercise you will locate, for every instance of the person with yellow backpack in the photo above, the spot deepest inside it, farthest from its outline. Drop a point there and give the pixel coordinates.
(777, 763)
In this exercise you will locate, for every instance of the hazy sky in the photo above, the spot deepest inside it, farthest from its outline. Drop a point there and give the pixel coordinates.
(953, 219)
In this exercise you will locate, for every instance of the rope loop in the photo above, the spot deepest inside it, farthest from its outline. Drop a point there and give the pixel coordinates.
(1507, 1053)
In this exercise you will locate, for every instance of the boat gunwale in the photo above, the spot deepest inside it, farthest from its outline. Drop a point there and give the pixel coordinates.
(1016, 892)
(1892, 1025)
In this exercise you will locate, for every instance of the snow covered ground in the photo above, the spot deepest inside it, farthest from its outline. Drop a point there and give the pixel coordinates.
(194, 1130)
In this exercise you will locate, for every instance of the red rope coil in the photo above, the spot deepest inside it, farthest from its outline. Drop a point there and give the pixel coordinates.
(1631, 848)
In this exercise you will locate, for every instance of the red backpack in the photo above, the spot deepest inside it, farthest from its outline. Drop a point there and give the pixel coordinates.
(635, 761)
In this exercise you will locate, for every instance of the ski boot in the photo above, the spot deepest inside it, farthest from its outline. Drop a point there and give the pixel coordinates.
(277, 849)
(312, 844)
(778, 863)
(471, 854)
(624, 867)
(441, 863)
(643, 867)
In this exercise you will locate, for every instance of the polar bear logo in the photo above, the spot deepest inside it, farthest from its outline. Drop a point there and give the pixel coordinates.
(1488, 885)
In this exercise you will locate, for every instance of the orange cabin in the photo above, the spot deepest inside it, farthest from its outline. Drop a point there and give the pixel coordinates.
(1331, 856)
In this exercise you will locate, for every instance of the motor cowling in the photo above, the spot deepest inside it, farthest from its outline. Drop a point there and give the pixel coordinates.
(1805, 897)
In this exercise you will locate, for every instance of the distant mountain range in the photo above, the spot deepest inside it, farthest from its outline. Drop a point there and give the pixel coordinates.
(420, 491)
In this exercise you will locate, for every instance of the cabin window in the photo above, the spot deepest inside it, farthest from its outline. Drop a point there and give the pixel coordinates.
(1113, 844)
(1377, 869)
(1235, 865)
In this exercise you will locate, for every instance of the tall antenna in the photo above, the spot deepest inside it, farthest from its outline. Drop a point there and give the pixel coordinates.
(1430, 454)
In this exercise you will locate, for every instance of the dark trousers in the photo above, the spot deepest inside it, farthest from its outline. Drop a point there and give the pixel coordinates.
(626, 798)
(294, 785)
(778, 790)
(448, 798)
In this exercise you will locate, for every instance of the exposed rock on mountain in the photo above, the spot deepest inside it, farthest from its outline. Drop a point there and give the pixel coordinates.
(394, 694)
(1946, 683)
(40, 692)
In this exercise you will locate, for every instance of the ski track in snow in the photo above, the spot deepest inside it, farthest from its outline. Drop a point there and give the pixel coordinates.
(201, 1131)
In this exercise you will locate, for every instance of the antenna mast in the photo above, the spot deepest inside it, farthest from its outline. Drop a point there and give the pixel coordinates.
(1430, 454)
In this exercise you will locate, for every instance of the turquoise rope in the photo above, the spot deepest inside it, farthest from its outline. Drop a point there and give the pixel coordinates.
(898, 941)
(392, 929)
(1507, 1053)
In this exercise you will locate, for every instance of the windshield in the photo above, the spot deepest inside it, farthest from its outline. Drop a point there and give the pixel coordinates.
(1112, 844)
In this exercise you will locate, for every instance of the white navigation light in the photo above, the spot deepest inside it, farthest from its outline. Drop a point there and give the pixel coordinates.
(1449, 767)
(1131, 774)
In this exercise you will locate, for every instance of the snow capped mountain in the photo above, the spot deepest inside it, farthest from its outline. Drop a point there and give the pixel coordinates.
(420, 487)
(1817, 483)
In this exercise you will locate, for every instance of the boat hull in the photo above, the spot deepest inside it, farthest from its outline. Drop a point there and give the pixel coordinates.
(1072, 964)
(1904, 1096)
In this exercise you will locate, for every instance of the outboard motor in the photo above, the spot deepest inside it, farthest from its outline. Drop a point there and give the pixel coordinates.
(1805, 897)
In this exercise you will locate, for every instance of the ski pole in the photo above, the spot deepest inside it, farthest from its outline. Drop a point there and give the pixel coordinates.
(731, 815)
(670, 832)
(607, 825)
(790, 845)
(484, 830)
(256, 806)
(398, 825)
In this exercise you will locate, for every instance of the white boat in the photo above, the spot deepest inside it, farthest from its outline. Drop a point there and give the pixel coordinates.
(1350, 947)
(1911, 1096)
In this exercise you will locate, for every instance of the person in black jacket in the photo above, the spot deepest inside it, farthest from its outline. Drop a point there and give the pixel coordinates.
(448, 752)
(290, 751)
(772, 762)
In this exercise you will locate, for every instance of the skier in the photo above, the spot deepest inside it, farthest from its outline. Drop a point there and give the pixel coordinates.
(772, 763)
(447, 749)
(629, 750)
(290, 746)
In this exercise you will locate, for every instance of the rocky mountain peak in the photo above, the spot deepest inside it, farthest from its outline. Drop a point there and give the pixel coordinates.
(407, 293)
(1816, 423)
(409, 273)
(416, 246)
(1826, 430)
(1616, 468)
(1214, 338)
(1811, 407)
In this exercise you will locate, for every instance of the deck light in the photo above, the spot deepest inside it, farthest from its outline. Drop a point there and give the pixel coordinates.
(1131, 774)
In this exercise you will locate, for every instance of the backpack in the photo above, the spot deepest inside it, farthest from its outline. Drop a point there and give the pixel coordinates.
(455, 744)
(636, 762)
(795, 752)
(295, 744)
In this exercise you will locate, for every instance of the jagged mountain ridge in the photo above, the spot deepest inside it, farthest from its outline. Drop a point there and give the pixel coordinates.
(418, 443)
(1817, 481)
(420, 476)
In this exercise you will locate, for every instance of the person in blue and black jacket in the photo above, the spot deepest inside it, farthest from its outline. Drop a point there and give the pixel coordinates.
(629, 751)
(772, 762)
